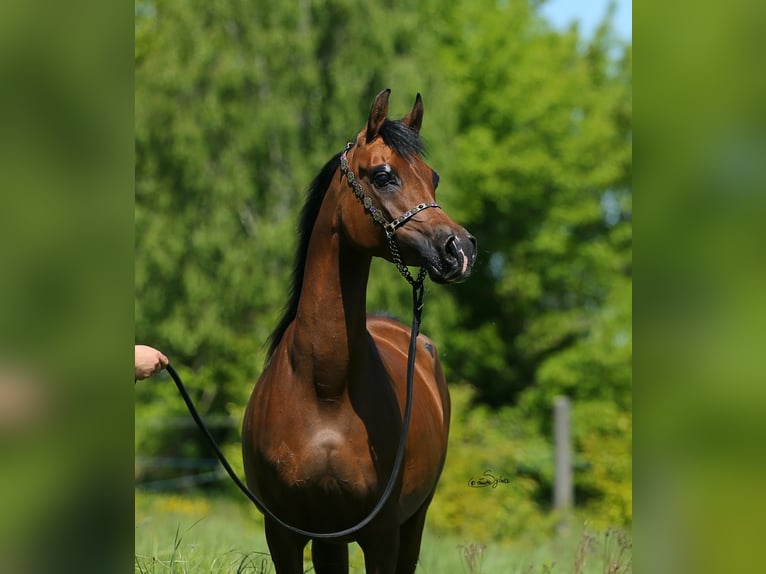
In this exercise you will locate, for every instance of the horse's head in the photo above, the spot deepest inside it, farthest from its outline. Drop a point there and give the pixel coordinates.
(385, 171)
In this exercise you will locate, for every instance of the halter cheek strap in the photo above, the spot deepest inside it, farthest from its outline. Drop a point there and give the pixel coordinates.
(389, 227)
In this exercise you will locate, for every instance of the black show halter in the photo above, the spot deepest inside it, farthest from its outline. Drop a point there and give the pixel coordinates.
(417, 312)
(389, 227)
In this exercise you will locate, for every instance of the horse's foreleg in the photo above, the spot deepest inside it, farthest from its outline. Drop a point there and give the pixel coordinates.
(329, 558)
(285, 547)
(410, 536)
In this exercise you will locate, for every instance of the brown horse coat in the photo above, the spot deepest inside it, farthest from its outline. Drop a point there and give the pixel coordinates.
(324, 420)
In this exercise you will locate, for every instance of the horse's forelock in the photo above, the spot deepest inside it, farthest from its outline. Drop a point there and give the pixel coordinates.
(402, 139)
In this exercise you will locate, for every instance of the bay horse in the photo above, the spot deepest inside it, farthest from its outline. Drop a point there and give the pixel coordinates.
(323, 422)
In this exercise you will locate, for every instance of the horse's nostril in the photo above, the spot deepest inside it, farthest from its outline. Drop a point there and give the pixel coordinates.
(452, 246)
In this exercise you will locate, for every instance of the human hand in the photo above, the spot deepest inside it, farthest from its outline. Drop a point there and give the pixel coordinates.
(149, 361)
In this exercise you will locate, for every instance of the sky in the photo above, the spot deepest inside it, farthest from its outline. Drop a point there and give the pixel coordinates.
(589, 13)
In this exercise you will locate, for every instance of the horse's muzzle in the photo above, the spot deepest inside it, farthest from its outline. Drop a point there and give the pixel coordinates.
(458, 254)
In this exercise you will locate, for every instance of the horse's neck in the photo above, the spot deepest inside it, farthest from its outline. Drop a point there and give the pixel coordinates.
(330, 333)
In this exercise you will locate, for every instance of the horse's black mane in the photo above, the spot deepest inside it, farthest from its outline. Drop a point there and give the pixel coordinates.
(396, 135)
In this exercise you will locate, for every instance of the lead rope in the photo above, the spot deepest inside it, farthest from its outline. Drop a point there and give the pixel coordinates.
(417, 312)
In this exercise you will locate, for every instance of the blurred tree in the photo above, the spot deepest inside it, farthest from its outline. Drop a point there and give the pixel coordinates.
(238, 105)
(542, 156)
(217, 145)
(542, 161)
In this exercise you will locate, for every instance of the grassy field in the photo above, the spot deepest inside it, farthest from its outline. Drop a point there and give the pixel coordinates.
(218, 535)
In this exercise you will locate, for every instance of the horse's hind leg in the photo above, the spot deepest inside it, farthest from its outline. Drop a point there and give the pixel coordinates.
(410, 536)
(285, 547)
(329, 558)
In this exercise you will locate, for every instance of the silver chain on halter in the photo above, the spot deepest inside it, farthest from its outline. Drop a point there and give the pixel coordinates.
(389, 227)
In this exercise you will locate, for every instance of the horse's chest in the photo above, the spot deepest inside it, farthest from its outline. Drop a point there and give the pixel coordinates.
(328, 461)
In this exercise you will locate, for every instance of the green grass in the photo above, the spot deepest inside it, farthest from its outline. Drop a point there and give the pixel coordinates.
(180, 535)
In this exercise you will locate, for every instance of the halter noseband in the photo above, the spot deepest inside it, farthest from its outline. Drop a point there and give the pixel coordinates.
(389, 227)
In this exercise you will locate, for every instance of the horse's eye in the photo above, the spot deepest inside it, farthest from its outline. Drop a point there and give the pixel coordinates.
(383, 177)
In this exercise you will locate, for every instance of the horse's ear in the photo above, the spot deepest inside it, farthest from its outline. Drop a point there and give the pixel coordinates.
(378, 114)
(415, 118)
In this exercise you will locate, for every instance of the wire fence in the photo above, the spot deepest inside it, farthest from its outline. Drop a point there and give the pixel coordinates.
(187, 473)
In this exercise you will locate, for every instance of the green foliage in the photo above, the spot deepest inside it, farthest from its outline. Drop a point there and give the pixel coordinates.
(544, 147)
(238, 105)
(504, 443)
(603, 442)
(235, 113)
(508, 444)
